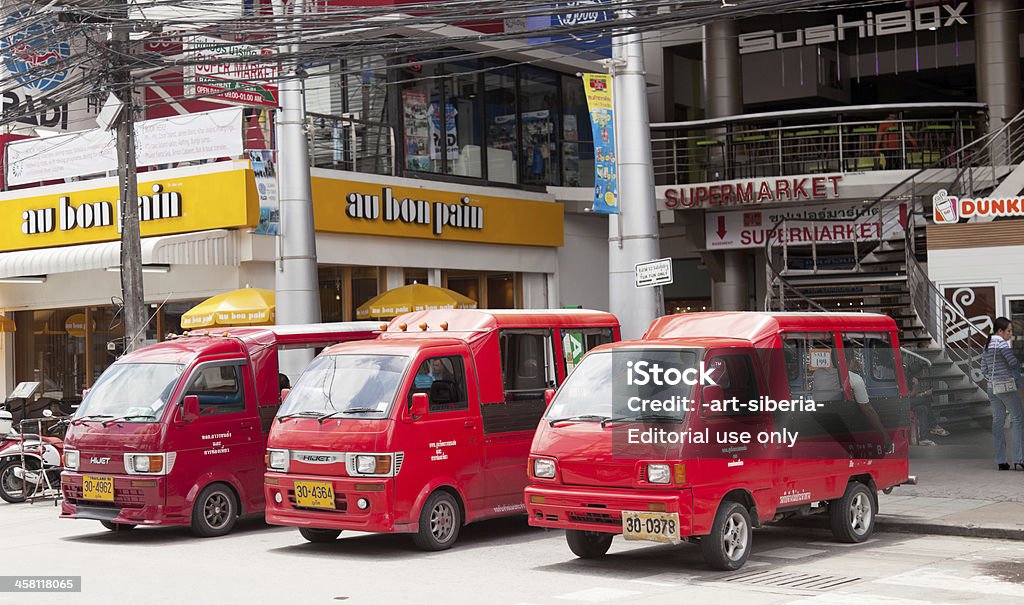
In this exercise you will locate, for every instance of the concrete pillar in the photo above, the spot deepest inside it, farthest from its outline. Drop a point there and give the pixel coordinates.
(723, 77)
(395, 278)
(730, 278)
(723, 96)
(7, 381)
(535, 291)
(434, 277)
(996, 34)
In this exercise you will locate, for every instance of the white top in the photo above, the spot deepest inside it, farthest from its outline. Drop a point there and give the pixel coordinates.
(860, 391)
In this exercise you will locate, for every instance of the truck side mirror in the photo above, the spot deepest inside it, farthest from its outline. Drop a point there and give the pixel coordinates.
(420, 405)
(284, 394)
(190, 408)
(712, 393)
(549, 394)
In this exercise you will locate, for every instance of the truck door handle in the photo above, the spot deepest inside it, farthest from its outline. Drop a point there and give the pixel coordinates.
(248, 424)
(470, 424)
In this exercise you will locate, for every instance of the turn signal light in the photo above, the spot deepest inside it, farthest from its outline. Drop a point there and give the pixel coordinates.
(271, 480)
(680, 473)
(536, 499)
(143, 483)
(657, 507)
(369, 487)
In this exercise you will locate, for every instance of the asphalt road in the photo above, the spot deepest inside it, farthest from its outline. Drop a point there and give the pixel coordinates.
(499, 562)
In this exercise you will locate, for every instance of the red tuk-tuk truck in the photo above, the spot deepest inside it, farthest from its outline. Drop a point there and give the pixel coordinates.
(424, 429)
(175, 433)
(794, 414)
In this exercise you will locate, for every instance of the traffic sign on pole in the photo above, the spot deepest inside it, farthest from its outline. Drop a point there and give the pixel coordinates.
(654, 273)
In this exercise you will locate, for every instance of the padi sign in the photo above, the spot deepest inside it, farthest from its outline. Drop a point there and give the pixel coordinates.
(870, 26)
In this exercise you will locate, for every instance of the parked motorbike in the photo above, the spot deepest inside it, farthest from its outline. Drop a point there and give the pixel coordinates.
(30, 463)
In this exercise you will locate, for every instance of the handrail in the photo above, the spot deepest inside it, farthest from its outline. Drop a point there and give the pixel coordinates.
(352, 143)
(816, 111)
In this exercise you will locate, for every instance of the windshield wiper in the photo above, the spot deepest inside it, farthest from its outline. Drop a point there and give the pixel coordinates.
(89, 418)
(580, 418)
(107, 423)
(302, 414)
(646, 417)
(347, 411)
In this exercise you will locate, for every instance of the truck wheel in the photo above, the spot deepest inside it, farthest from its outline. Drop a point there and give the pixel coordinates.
(440, 521)
(319, 536)
(117, 526)
(853, 515)
(12, 487)
(588, 544)
(729, 544)
(214, 512)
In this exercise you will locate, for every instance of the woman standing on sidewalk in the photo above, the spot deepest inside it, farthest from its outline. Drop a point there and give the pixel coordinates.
(1000, 368)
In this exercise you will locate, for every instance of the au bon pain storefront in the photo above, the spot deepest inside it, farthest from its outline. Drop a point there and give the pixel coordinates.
(60, 255)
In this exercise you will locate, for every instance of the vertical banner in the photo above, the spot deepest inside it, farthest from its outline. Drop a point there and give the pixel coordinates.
(598, 88)
(265, 171)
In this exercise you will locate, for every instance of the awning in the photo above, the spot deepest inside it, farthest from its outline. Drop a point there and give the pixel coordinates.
(216, 247)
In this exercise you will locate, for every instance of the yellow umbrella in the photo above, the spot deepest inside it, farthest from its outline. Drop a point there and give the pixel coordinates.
(7, 324)
(414, 297)
(245, 307)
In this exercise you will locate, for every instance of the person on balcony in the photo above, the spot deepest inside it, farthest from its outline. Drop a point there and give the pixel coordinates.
(1001, 370)
(888, 142)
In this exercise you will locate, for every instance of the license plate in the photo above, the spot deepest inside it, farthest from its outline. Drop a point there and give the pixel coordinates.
(98, 488)
(653, 527)
(314, 494)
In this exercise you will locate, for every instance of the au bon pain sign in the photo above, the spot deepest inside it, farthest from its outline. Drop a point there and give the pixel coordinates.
(219, 200)
(342, 206)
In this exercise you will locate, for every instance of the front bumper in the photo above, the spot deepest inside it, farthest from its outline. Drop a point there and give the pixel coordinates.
(138, 500)
(378, 516)
(600, 509)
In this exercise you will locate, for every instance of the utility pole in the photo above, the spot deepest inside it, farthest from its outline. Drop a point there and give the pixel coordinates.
(296, 285)
(633, 233)
(132, 292)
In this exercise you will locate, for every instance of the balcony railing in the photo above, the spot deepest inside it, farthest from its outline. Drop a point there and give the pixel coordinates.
(347, 143)
(810, 141)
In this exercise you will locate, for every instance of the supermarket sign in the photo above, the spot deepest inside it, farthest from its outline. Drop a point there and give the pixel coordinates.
(819, 224)
(230, 71)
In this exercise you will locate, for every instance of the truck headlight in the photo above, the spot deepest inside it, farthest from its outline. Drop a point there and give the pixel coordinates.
(148, 464)
(277, 460)
(659, 473)
(544, 468)
(373, 465)
(71, 460)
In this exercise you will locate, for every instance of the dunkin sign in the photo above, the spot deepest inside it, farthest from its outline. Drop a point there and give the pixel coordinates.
(947, 209)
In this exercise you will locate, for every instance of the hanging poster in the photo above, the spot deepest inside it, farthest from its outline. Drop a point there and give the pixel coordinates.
(265, 171)
(598, 88)
(451, 139)
(417, 130)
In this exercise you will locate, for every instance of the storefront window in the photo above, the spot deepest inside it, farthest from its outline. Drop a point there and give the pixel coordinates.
(415, 276)
(332, 293)
(501, 291)
(502, 129)
(364, 286)
(421, 117)
(467, 284)
(463, 118)
(539, 106)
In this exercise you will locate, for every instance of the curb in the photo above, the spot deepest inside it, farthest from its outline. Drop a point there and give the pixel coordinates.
(882, 523)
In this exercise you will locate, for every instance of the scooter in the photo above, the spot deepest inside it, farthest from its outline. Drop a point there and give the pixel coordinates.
(30, 464)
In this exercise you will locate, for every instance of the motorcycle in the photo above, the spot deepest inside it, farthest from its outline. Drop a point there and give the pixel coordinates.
(30, 464)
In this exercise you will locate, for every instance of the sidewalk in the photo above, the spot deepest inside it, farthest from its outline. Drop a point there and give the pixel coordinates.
(959, 492)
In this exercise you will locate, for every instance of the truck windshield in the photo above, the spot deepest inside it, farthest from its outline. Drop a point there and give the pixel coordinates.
(599, 389)
(131, 392)
(347, 386)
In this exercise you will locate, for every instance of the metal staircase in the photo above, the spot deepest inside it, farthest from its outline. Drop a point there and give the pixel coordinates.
(888, 273)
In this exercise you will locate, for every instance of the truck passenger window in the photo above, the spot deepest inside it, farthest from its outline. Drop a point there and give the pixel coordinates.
(526, 360)
(443, 379)
(577, 342)
(735, 374)
(219, 389)
(875, 360)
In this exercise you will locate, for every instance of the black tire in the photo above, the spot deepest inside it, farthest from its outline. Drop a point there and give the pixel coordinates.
(11, 487)
(440, 522)
(588, 544)
(319, 536)
(117, 526)
(215, 511)
(731, 538)
(853, 515)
